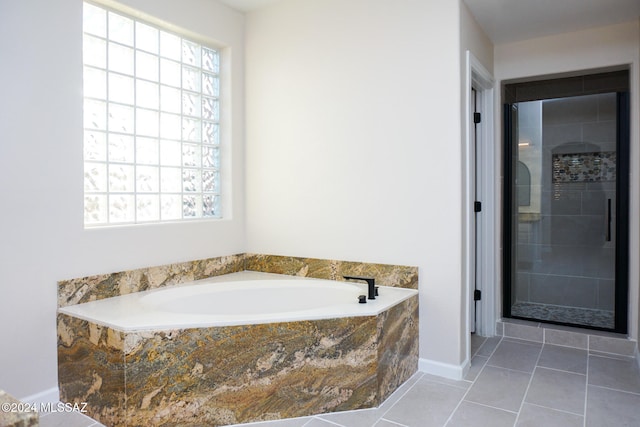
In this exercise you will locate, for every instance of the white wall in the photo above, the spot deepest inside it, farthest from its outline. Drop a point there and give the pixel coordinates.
(353, 143)
(42, 239)
(597, 48)
(474, 39)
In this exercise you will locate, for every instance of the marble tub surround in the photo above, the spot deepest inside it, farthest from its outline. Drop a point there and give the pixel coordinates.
(385, 274)
(260, 372)
(242, 298)
(221, 375)
(236, 374)
(91, 368)
(397, 341)
(92, 288)
(13, 415)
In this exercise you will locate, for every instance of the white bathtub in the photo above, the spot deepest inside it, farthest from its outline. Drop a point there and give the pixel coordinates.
(243, 298)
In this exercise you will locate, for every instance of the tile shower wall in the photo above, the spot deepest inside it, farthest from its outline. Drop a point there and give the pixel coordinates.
(563, 256)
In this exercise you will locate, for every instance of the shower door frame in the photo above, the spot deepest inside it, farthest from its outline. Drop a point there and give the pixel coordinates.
(621, 278)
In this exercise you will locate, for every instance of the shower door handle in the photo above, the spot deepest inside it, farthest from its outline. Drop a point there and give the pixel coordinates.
(608, 220)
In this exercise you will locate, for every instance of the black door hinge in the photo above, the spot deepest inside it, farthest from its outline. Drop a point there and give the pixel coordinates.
(477, 206)
(477, 295)
(476, 117)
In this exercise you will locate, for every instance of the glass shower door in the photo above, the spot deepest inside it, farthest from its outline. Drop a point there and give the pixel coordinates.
(562, 206)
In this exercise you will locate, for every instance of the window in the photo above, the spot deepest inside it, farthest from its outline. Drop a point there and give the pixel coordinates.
(151, 123)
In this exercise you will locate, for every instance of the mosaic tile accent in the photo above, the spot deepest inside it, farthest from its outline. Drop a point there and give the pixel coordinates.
(91, 288)
(584, 167)
(225, 375)
(385, 274)
(572, 315)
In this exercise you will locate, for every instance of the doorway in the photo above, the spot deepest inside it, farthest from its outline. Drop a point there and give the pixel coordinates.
(566, 201)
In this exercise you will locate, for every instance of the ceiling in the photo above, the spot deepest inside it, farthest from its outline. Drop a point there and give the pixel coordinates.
(247, 5)
(507, 21)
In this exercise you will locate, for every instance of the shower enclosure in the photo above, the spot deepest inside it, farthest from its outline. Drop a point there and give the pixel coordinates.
(566, 204)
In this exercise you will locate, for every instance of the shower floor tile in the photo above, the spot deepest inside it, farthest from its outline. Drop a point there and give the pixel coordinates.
(562, 314)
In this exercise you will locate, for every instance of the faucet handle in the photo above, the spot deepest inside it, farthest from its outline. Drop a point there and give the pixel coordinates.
(371, 284)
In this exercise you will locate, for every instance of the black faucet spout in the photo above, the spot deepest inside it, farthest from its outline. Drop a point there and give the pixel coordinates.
(371, 284)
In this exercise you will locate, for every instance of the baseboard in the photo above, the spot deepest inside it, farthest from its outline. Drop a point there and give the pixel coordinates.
(51, 395)
(446, 370)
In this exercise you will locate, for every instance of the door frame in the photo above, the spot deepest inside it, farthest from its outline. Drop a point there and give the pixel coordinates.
(482, 178)
(623, 199)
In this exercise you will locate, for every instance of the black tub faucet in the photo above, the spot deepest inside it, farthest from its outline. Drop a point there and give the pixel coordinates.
(371, 282)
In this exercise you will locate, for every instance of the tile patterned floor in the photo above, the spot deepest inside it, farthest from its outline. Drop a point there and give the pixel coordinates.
(572, 315)
(512, 383)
